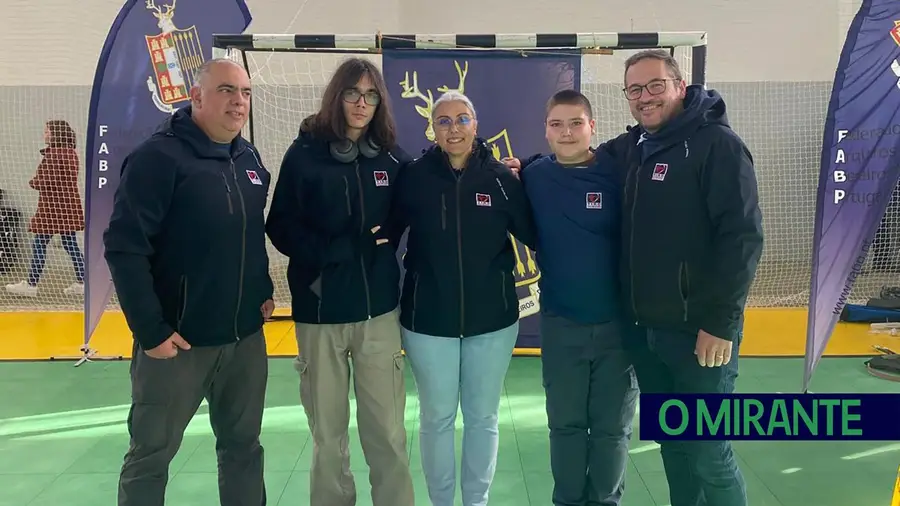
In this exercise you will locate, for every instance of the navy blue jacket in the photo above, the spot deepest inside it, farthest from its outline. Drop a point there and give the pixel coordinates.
(459, 259)
(321, 218)
(186, 243)
(692, 231)
(577, 210)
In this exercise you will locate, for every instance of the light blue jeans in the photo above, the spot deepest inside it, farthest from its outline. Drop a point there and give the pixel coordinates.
(451, 373)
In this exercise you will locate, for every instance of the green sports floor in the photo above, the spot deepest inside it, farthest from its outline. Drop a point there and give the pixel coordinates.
(62, 438)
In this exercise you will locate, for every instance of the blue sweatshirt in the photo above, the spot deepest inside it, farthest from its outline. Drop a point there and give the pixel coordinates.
(577, 210)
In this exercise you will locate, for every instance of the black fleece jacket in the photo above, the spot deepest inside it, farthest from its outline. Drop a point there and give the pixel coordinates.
(692, 229)
(186, 243)
(321, 218)
(459, 259)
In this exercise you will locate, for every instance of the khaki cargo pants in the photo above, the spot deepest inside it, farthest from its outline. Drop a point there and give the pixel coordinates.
(374, 349)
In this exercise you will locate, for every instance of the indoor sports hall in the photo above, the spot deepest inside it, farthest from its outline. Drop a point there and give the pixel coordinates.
(65, 346)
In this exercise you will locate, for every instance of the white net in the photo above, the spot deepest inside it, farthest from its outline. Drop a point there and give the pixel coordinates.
(42, 207)
(287, 87)
(780, 121)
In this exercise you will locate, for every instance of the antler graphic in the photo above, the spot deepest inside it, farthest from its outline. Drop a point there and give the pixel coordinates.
(151, 5)
(462, 79)
(412, 91)
(164, 17)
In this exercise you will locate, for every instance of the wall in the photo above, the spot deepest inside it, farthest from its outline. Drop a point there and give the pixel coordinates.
(772, 60)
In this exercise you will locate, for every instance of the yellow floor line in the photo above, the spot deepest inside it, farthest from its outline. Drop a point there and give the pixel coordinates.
(36, 336)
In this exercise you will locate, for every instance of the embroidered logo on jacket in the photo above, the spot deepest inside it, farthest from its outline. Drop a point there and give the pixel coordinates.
(659, 171)
(482, 200)
(254, 177)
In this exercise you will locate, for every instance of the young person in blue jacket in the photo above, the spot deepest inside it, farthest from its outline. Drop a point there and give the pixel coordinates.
(575, 195)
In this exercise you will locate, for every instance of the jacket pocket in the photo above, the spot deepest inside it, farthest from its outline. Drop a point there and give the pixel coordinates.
(320, 296)
(228, 194)
(684, 287)
(182, 296)
(347, 195)
(415, 298)
(503, 290)
(443, 212)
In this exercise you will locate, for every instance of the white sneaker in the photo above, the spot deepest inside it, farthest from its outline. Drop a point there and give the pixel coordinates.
(74, 289)
(22, 289)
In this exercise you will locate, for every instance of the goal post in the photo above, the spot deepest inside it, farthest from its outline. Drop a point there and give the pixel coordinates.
(515, 41)
(289, 73)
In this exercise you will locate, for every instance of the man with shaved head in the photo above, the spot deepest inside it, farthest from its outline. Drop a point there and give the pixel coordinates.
(187, 252)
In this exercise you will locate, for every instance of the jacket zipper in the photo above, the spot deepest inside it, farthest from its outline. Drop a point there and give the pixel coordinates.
(237, 309)
(684, 288)
(362, 229)
(462, 289)
(637, 183)
(228, 193)
(503, 288)
(183, 301)
(415, 299)
(443, 212)
(347, 195)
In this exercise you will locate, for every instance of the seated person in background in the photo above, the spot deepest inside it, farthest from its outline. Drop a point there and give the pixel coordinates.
(590, 384)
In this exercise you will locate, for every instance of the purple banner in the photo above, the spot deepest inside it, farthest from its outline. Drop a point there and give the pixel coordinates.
(859, 166)
(145, 72)
(511, 118)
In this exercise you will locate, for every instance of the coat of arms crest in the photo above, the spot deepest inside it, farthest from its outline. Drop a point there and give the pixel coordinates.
(175, 56)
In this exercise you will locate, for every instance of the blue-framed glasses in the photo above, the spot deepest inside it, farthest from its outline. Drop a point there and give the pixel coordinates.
(461, 121)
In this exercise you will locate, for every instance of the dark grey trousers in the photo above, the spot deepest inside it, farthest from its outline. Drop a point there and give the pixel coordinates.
(592, 395)
(166, 395)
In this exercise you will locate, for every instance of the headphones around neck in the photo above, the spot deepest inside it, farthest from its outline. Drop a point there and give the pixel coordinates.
(346, 151)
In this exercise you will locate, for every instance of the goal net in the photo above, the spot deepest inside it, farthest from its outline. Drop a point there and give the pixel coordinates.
(41, 196)
(289, 74)
(781, 122)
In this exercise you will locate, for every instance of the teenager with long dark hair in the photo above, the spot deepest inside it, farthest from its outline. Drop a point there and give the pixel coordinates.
(331, 200)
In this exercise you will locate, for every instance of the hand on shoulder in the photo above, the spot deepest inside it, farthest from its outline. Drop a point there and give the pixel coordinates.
(513, 164)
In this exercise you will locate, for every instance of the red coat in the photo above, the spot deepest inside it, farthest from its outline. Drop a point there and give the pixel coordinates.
(59, 202)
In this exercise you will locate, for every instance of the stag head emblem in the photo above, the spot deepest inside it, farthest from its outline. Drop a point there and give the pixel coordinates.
(164, 17)
(411, 90)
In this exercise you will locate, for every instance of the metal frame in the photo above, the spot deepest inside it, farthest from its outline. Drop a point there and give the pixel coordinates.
(376, 42)
(514, 41)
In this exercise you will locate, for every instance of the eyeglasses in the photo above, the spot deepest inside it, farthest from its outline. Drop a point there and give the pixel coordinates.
(461, 121)
(654, 87)
(351, 96)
